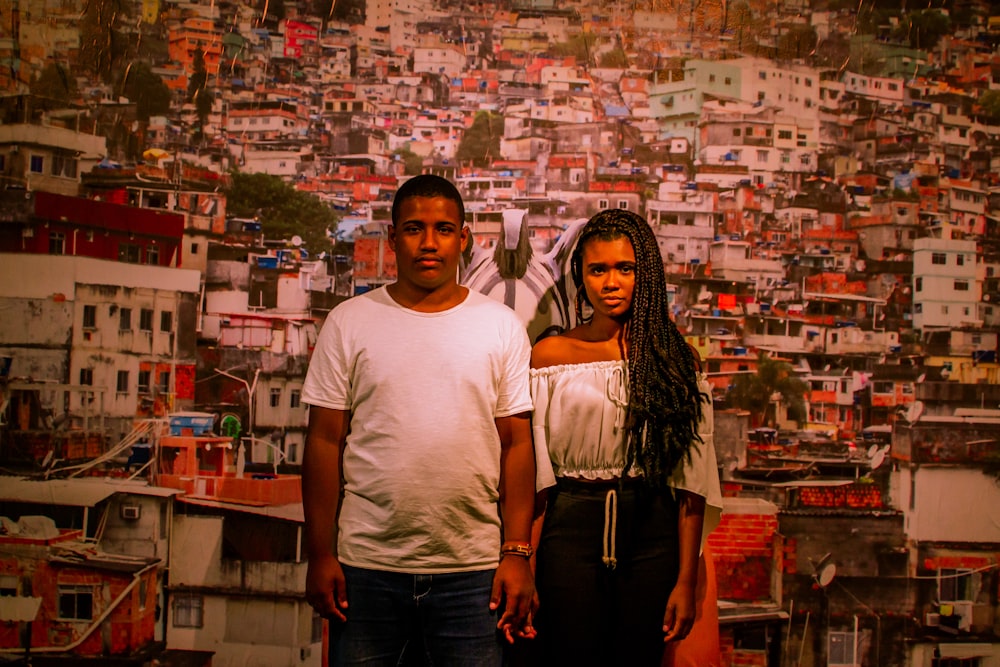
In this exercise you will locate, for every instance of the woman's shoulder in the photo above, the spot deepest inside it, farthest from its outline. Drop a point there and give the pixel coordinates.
(569, 348)
(552, 351)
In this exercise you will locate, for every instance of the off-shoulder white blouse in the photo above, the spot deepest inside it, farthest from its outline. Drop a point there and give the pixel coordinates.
(578, 424)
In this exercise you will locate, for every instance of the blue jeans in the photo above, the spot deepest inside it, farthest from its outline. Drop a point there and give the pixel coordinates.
(395, 619)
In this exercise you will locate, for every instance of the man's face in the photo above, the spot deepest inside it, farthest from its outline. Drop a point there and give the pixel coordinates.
(428, 239)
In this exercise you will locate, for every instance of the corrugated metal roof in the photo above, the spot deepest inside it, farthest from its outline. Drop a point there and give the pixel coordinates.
(73, 492)
(291, 512)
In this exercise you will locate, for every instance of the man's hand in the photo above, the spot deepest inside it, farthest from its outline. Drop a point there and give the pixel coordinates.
(326, 589)
(679, 616)
(514, 588)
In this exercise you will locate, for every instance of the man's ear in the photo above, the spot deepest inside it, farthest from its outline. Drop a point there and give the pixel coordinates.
(392, 237)
(466, 235)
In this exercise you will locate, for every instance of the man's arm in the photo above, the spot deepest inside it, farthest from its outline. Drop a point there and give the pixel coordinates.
(514, 584)
(321, 487)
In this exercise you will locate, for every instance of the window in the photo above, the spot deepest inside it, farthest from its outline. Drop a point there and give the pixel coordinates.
(882, 387)
(316, 634)
(144, 376)
(188, 611)
(125, 319)
(8, 585)
(57, 243)
(918, 308)
(153, 255)
(90, 317)
(944, 310)
(728, 80)
(63, 165)
(146, 319)
(166, 321)
(275, 397)
(939, 258)
(122, 384)
(736, 131)
(623, 204)
(762, 156)
(961, 285)
(164, 384)
(960, 259)
(294, 398)
(918, 284)
(37, 164)
(87, 376)
(841, 649)
(76, 603)
(128, 252)
(143, 592)
(711, 78)
(194, 248)
(602, 204)
(955, 585)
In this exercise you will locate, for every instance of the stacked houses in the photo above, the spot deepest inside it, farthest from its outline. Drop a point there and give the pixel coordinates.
(825, 197)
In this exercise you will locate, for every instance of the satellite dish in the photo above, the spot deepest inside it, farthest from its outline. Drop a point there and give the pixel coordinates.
(872, 450)
(296, 240)
(878, 459)
(826, 574)
(914, 411)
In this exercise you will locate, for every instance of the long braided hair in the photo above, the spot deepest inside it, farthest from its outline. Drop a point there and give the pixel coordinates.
(664, 401)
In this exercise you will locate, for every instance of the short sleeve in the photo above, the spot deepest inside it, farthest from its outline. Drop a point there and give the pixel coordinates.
(544, 475)
(699, 474)
(327, 383)
(513, 395)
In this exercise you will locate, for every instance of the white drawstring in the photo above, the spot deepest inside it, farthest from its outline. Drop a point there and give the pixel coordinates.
(610, 528)
(617, 391)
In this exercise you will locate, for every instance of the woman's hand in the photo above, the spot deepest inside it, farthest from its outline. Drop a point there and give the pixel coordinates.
(679, 616)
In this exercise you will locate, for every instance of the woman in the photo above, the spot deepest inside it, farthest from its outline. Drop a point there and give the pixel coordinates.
(618, 407)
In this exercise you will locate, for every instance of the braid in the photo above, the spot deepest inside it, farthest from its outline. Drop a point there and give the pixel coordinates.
(664, 400)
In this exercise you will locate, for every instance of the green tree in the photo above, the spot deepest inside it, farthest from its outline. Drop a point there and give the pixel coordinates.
(989, 103)
(923, 29)
(282, 210)
(798, 41)
(579, 46)
(615, 58)
(413, 164)
(754, 392)
(199, 92)
(481, 143)
(140, 84)
(55, 85)
(104, 48)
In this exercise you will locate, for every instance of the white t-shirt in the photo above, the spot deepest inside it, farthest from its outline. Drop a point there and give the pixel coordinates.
(422, 462)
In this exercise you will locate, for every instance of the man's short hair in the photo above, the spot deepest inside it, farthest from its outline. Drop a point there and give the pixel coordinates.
(427, 185)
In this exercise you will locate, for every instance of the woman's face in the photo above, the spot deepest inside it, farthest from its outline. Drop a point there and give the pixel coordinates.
(609, 276)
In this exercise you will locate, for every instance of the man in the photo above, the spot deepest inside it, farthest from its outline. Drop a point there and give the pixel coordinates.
(419, 441)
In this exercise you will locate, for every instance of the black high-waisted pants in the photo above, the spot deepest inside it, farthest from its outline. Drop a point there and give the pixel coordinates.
(600, 605)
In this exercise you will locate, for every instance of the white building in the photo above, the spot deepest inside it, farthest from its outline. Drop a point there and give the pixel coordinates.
(946, 291)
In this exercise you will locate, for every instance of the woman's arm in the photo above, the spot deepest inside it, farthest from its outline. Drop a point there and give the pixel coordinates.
(679, 615)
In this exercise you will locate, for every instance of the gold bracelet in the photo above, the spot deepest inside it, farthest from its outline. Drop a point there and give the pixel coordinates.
(520, 549)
